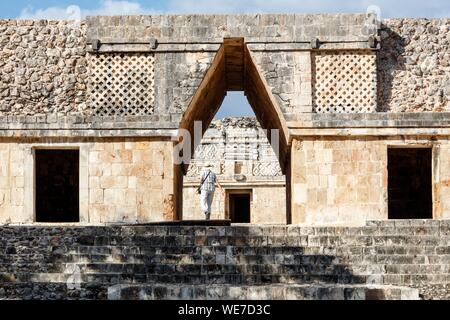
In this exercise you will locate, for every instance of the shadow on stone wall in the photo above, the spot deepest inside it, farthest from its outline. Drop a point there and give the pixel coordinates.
(390, 60)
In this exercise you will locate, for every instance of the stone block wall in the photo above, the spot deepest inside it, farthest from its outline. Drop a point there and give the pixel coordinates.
(121, 180)
(255, 27)
(441, 188)
(289, 76)
(43, 67)
(267, 206)
(338, 180)
(345, 180)
(243, 159)
(12, 182)
(192, 209)
(44, 76)
(177, 77)
(414, 65)
(130, 181)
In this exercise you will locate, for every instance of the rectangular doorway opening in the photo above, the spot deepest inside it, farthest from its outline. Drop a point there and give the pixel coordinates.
(57, 185)
(410, 183)
(239, 207)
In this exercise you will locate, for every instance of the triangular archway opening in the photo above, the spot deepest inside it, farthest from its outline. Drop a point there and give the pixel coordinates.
(234, 69)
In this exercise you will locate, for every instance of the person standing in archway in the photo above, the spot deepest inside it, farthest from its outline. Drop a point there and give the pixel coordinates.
(207, 187)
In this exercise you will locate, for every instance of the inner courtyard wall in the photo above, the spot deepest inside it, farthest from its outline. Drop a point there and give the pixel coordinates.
(343, 180)
(267, 204)
(121, 180)
(47, 85)
(240, 154)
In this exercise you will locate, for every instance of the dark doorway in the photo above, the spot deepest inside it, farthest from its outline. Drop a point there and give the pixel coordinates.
(409, 183)
(240, 208)
(57, 185)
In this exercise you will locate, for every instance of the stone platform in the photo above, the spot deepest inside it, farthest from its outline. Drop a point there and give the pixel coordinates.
(192, 223)
(227, 261)
(262, 292)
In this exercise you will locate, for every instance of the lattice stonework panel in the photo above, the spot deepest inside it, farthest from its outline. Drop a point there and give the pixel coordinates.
(122, 84)
(267, 169)
(345, 82)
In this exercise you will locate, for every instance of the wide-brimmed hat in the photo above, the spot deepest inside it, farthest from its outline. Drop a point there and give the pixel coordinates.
(208, 165)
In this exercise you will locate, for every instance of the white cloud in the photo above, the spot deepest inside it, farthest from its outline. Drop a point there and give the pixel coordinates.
(73, 12)
(257, 6)
(388, 8)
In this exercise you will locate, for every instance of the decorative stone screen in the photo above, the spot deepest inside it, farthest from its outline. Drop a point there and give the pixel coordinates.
(344, 82)
(207, 152)
(271, 169)
(122, 84)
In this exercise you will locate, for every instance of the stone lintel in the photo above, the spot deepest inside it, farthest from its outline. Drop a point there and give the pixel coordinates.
(88, 133)
(162, 47)
(297, 132)
(369, 120)
(213, 47)
(267, 28)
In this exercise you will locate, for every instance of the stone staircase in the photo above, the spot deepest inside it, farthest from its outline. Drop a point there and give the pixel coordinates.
(382, 260)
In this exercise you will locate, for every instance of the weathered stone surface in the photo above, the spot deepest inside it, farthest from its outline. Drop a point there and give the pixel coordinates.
(116, 178)
(254, 262)
(45, 71)
(254, 27)
(43, 67)
(261, 292)
(413, 65)
(243, 159)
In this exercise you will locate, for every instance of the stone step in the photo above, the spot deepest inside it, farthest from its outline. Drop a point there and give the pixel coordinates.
(67, 278)
(211, 276)
(239, 241)
(199, 269)
(51, 291)
(102, 279)
(263, 292)
(396, 252)
(310, 240)
(396, 238)
(414, 279)
(228, 266)
(355, 255)
(42, 232)
(413, 248)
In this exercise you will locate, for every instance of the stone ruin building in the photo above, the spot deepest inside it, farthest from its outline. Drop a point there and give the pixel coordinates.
(360, 106)
(93, 111)
(247, 168)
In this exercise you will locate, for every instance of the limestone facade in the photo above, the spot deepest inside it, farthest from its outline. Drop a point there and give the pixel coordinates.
(340, 89)
(245, 163)
(116, 178)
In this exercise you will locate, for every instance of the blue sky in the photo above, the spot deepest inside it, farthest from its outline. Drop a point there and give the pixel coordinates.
(235, 103)
(388, 8)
